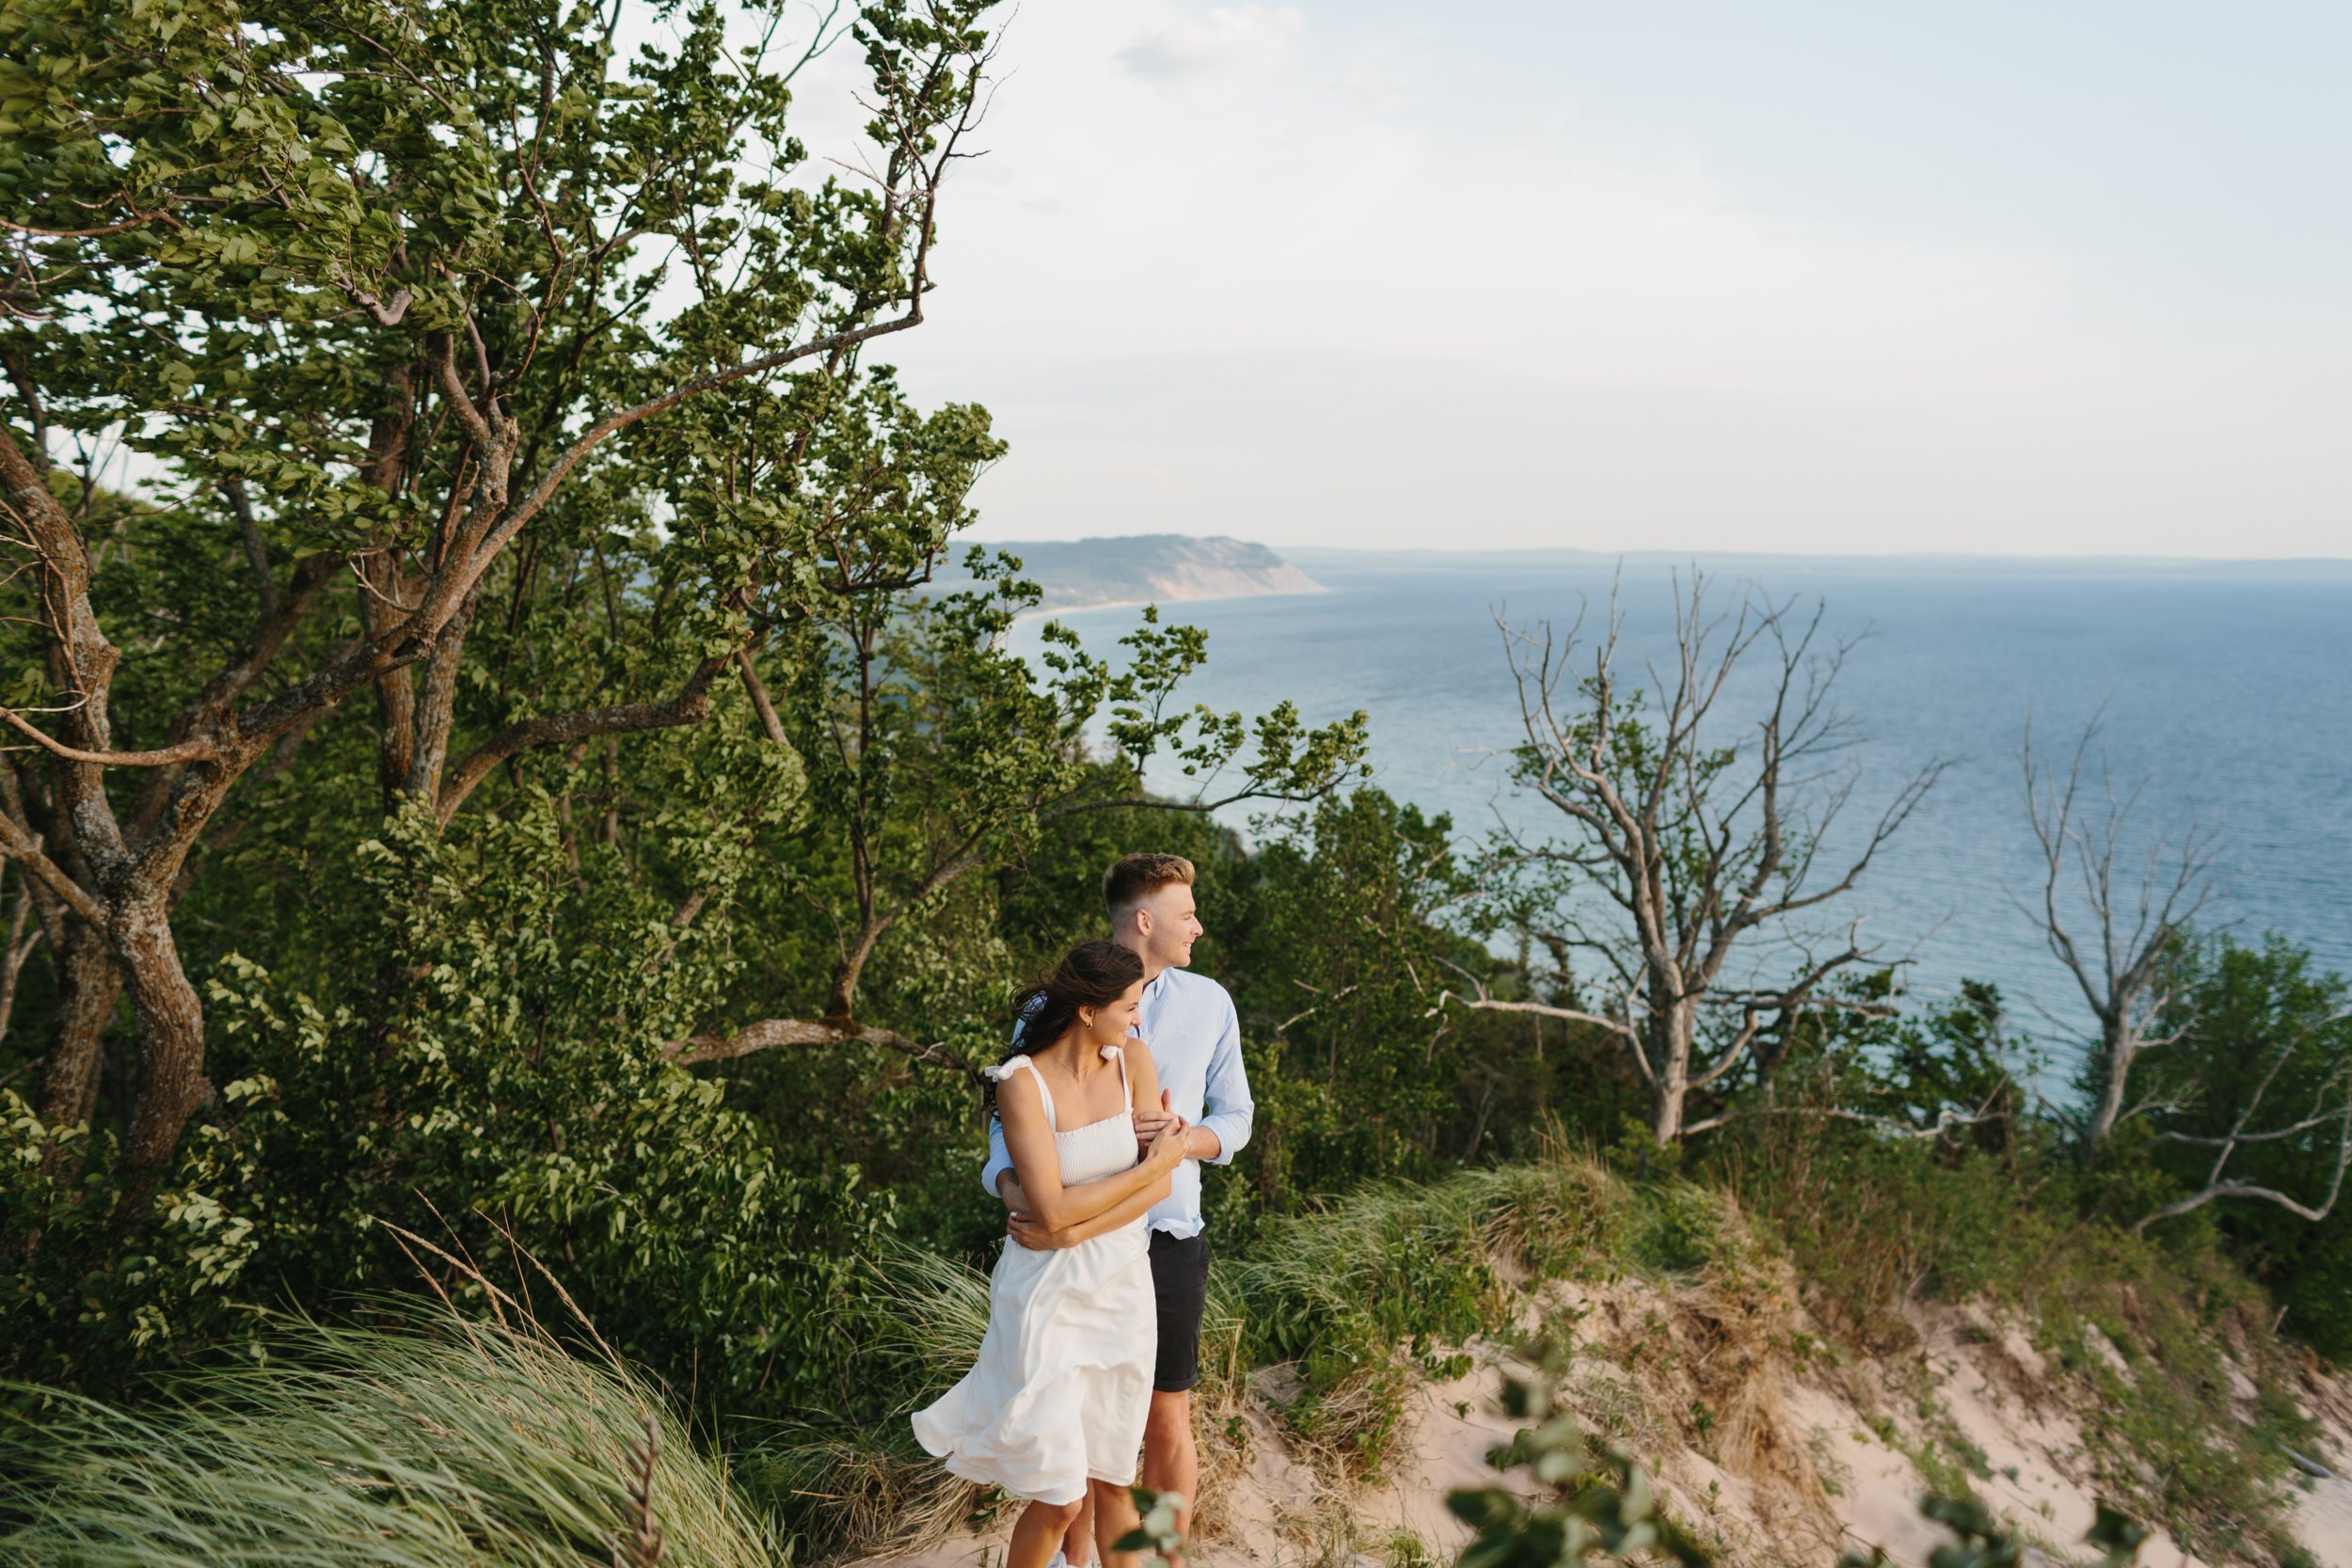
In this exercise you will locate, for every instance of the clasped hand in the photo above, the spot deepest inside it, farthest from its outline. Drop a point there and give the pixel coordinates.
(1153, 1120)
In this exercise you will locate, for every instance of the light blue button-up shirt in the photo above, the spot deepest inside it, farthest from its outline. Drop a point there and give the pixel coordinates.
(1195, 1037)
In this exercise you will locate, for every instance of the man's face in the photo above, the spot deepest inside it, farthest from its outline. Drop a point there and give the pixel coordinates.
(1173, 924)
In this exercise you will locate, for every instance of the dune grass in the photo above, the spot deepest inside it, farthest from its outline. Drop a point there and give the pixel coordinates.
(1361, 1293)
(433, 1444)
(869, 1487)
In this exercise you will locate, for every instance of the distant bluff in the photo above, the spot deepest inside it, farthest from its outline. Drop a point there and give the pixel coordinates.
(1161, 568)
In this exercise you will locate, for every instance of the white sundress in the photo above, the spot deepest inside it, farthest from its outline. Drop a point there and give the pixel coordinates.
(1063, 1382)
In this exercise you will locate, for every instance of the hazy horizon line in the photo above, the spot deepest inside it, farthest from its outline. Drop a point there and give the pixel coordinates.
(1655, 554)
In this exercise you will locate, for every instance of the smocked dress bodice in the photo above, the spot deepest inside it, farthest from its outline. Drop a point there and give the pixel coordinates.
(1098, 1149)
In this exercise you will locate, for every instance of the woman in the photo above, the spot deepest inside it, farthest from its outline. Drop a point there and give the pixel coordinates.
(1055, 1406)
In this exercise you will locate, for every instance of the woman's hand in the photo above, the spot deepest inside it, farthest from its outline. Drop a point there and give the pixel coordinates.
(1026, 1232)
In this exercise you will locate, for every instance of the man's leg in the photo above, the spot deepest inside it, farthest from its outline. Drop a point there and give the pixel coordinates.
(1180, 1278)
(1170, 1462)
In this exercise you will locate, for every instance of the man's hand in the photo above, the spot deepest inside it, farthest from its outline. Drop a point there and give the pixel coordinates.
(1025, 1232)
(1150, 1123)
(1167, 1151)
(1008, 1189)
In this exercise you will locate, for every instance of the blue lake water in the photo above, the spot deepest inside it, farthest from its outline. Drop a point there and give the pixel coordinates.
(2227, 687)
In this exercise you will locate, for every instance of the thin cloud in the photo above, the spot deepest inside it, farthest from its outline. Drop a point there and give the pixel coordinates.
(1226, 38)
(1396, 281)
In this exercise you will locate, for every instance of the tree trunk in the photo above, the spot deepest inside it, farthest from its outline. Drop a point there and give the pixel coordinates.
(171, 1044)
(437, 704)
(841, 1002)
(1670, 1067)
(89, 985)
(12, 958)
(383, 590)
(383, 587)
(2115, 1051)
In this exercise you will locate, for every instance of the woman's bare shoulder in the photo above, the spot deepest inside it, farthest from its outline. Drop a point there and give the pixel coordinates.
(1143, 1073)
(1020, 1093)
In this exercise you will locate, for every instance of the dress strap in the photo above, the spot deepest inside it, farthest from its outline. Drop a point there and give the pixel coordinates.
(1126, 1091)
(1005, 1070)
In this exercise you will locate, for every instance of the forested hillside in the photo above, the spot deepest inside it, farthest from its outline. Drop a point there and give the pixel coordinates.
(506, 825)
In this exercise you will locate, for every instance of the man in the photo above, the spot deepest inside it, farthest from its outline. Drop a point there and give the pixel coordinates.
(1195, 1039)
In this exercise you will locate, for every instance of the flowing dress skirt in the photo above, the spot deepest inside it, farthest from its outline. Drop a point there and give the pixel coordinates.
(1063, 1382)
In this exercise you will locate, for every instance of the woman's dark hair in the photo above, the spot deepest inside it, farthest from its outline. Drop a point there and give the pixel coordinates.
(1092, 975)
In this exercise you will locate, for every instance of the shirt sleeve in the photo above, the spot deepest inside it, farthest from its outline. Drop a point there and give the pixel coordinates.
(1226, 1108)
(999, 1158)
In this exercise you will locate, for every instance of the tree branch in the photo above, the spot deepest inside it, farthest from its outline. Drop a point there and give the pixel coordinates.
(1616, 1026)
(691, 705)
(758, 694)
(621, 419)
(186, 751)
(769, 1034)
(25, 850)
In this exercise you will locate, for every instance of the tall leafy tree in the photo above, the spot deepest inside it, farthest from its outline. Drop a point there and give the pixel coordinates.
(933, 753)
(1337, 956)
(402, 306)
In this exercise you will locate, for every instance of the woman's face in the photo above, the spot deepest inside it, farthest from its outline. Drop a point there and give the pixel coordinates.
(1117, 1022)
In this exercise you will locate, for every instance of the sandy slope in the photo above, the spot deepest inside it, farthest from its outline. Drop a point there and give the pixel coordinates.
(1799, 1461)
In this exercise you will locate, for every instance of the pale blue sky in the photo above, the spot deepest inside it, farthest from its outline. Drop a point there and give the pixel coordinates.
(1820, 278)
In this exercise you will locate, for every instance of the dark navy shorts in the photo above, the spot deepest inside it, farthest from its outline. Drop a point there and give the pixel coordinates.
(1180, 1277)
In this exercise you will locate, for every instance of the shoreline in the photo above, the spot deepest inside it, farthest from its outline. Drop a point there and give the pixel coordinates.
(1048, 611)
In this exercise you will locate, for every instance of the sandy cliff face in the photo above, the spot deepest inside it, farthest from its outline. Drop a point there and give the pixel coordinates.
(1208, 577)
(1160, 568)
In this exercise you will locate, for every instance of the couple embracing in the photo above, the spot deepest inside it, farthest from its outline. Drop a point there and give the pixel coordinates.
(1124, 1076)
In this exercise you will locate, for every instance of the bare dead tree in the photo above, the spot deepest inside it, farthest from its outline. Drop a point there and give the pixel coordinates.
(2219, 1183)
(1702, 839)
(2136, 904)
(2138, 908)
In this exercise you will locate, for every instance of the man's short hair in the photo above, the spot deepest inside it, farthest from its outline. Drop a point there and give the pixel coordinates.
(1137, 878)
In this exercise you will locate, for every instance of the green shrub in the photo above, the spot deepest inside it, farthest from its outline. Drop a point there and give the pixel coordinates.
(1679, 1230)
(1593, 1501)
(480, 1076)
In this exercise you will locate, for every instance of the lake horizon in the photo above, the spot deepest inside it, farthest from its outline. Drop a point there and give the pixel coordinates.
(2220, 684)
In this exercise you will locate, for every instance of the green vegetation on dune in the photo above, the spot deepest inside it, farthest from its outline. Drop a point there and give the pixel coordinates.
(1354, 1300)
(1358, 1300)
